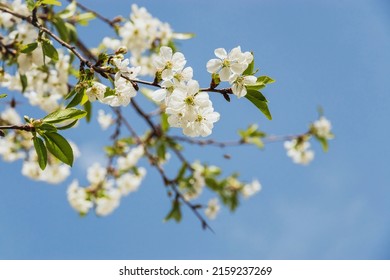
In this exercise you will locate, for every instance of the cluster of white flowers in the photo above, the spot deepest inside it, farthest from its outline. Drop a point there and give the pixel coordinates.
(105, 194)
(230, 67)
(299, 151)
(322, 128)
(124, 88)
(44, 86)
(140, 34)
(188, 107)
(251, 189)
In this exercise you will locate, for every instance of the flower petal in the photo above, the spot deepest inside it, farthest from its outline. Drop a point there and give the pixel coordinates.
(220, 53)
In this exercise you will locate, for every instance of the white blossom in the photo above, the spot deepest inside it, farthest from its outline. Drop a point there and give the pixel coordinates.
(168, 63)
(104, 119)
(250, 189)
(10, 116)
(226, 64)
(131, 159)
(213, 208)
(96, 174)
(78, 198)
(239, 84)
(322, 128)
(108, 203)
(96, 92)
(299, 152)
(128, 182)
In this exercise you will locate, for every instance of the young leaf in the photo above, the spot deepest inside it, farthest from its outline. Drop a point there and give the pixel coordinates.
(88, 108)
(260, 102)
(76, 99)
(48, 127)
(64, 115)
(164, 122)
(250, 69)
(265, 80)
(51, 2)
(30, 4)
(28, 48)
(59, 147)
(175, 212)
(41, 152)
(72, 124)
(3, 95)
(23, 81)
(61, 28)
(49, 50)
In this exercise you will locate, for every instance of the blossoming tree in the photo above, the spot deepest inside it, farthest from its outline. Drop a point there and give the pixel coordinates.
(45, 60)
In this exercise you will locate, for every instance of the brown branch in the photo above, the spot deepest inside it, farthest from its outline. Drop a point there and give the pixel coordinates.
(25, 127)
(112, 23)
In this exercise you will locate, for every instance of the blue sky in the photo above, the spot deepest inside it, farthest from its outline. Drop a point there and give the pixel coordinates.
(329, 53)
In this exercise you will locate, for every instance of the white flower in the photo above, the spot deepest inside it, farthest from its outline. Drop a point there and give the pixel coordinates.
(105, 120)
(187, 99)
(213, 208)
(10, 116)
(250, 189)
(27, 61)
(131, 159)
(128, 183)
(108, 203)
(96, 174)
(111, 43)
(227, 64)
(184, 75)
(167, 87)
(78, 198)
(169, 63)
(96, 91)
(32, 170)
(239, 84)
(299, 152)
(322, 128)
(202, 125)
(55, 173)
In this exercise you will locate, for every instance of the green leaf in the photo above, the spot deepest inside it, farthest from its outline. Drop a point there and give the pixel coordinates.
(161, 150)
(70, 94)
(49, 50)
(72, 124)
(88, 108)
(48, 127)
(265, 80)
(164, 122)
(181, 172)
(41, 152)
(258, 99)
(64, 115)
(175, 212)
(3, 95)
(69, 11)
(324, 143)
(59, 147)
(51, 2)
(83, 19)
(213, 184)
(77, 98)
(30, 4)
(61, 28)
(23, 81)
(28, 48)
(250, 69)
